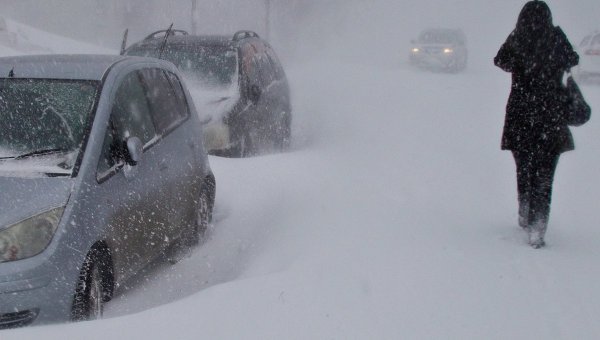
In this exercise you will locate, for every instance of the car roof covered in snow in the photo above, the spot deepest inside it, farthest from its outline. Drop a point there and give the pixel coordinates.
(84, 66)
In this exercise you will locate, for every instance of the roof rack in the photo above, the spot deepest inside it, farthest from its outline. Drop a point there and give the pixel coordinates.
(162, 33)
(244, 34)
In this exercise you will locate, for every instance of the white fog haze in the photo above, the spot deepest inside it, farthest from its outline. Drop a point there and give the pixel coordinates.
(355, 29)
(394, 214)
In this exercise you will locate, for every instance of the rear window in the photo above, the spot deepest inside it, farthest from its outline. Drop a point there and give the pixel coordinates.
(210, 66)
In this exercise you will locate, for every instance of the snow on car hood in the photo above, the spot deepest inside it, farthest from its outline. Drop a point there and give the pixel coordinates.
(40, 166)
(214, 103)
(21, 198)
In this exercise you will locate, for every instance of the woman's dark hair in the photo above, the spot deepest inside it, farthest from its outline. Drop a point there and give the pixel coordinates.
(535, 18)
(534, 32)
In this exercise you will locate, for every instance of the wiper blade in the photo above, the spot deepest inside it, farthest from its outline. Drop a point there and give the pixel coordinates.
(57, 174)
(42, 153)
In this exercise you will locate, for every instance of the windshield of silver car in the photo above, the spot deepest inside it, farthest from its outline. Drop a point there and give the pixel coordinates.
(43, 123)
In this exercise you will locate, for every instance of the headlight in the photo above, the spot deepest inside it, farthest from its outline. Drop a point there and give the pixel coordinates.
(448, 50)
(216, 136)
(29, 237)
(415, 50)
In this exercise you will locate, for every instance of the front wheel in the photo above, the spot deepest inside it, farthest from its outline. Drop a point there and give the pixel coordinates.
(244, 146)
(203, 215)
(247, 148)
(283, 136)
(91, 291)
(206, 205)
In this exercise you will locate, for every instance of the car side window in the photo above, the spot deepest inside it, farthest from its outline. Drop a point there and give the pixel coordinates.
(167, 102)
(249, 64)
(253, 72)
(130, 117)
(245, 58)
(131, 111)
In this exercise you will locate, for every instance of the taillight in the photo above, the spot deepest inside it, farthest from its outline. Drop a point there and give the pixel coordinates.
(592, 52)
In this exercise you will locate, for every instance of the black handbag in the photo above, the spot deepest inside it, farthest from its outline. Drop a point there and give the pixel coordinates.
(578, 110)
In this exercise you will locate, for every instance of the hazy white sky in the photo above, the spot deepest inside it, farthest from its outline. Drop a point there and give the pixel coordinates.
(301, 28)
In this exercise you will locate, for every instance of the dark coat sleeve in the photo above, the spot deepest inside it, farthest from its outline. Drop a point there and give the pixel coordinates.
(507, 58)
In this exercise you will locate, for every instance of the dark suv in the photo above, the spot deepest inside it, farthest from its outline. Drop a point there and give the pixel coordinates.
(237, 83)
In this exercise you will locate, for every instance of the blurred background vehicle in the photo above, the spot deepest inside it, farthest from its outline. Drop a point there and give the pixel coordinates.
(440, 49)
(238, 84)
(589, 58)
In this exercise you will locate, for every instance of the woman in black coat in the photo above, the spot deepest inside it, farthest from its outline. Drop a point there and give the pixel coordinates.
(537, 54)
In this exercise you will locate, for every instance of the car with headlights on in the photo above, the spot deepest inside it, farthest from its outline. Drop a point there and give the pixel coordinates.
(238, 83)
(589, 58)
(102, 170)
(440, 49)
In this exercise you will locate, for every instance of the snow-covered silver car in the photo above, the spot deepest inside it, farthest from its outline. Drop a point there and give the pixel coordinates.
(102, 169)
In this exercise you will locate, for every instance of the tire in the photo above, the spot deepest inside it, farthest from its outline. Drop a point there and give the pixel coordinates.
(246, 146)
(204, 215)
(243, 145)
(283, 136)
(205, 211)
(93, 287)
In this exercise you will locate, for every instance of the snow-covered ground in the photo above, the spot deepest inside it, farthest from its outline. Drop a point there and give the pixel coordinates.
(393, 217)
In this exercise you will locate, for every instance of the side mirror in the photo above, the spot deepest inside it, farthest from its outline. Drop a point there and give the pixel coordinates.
(254, 94)
(135, 149)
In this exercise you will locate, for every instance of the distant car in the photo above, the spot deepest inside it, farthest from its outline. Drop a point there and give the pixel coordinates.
(102, 170)
(440, 49)
(589, 57)
(239, 85)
